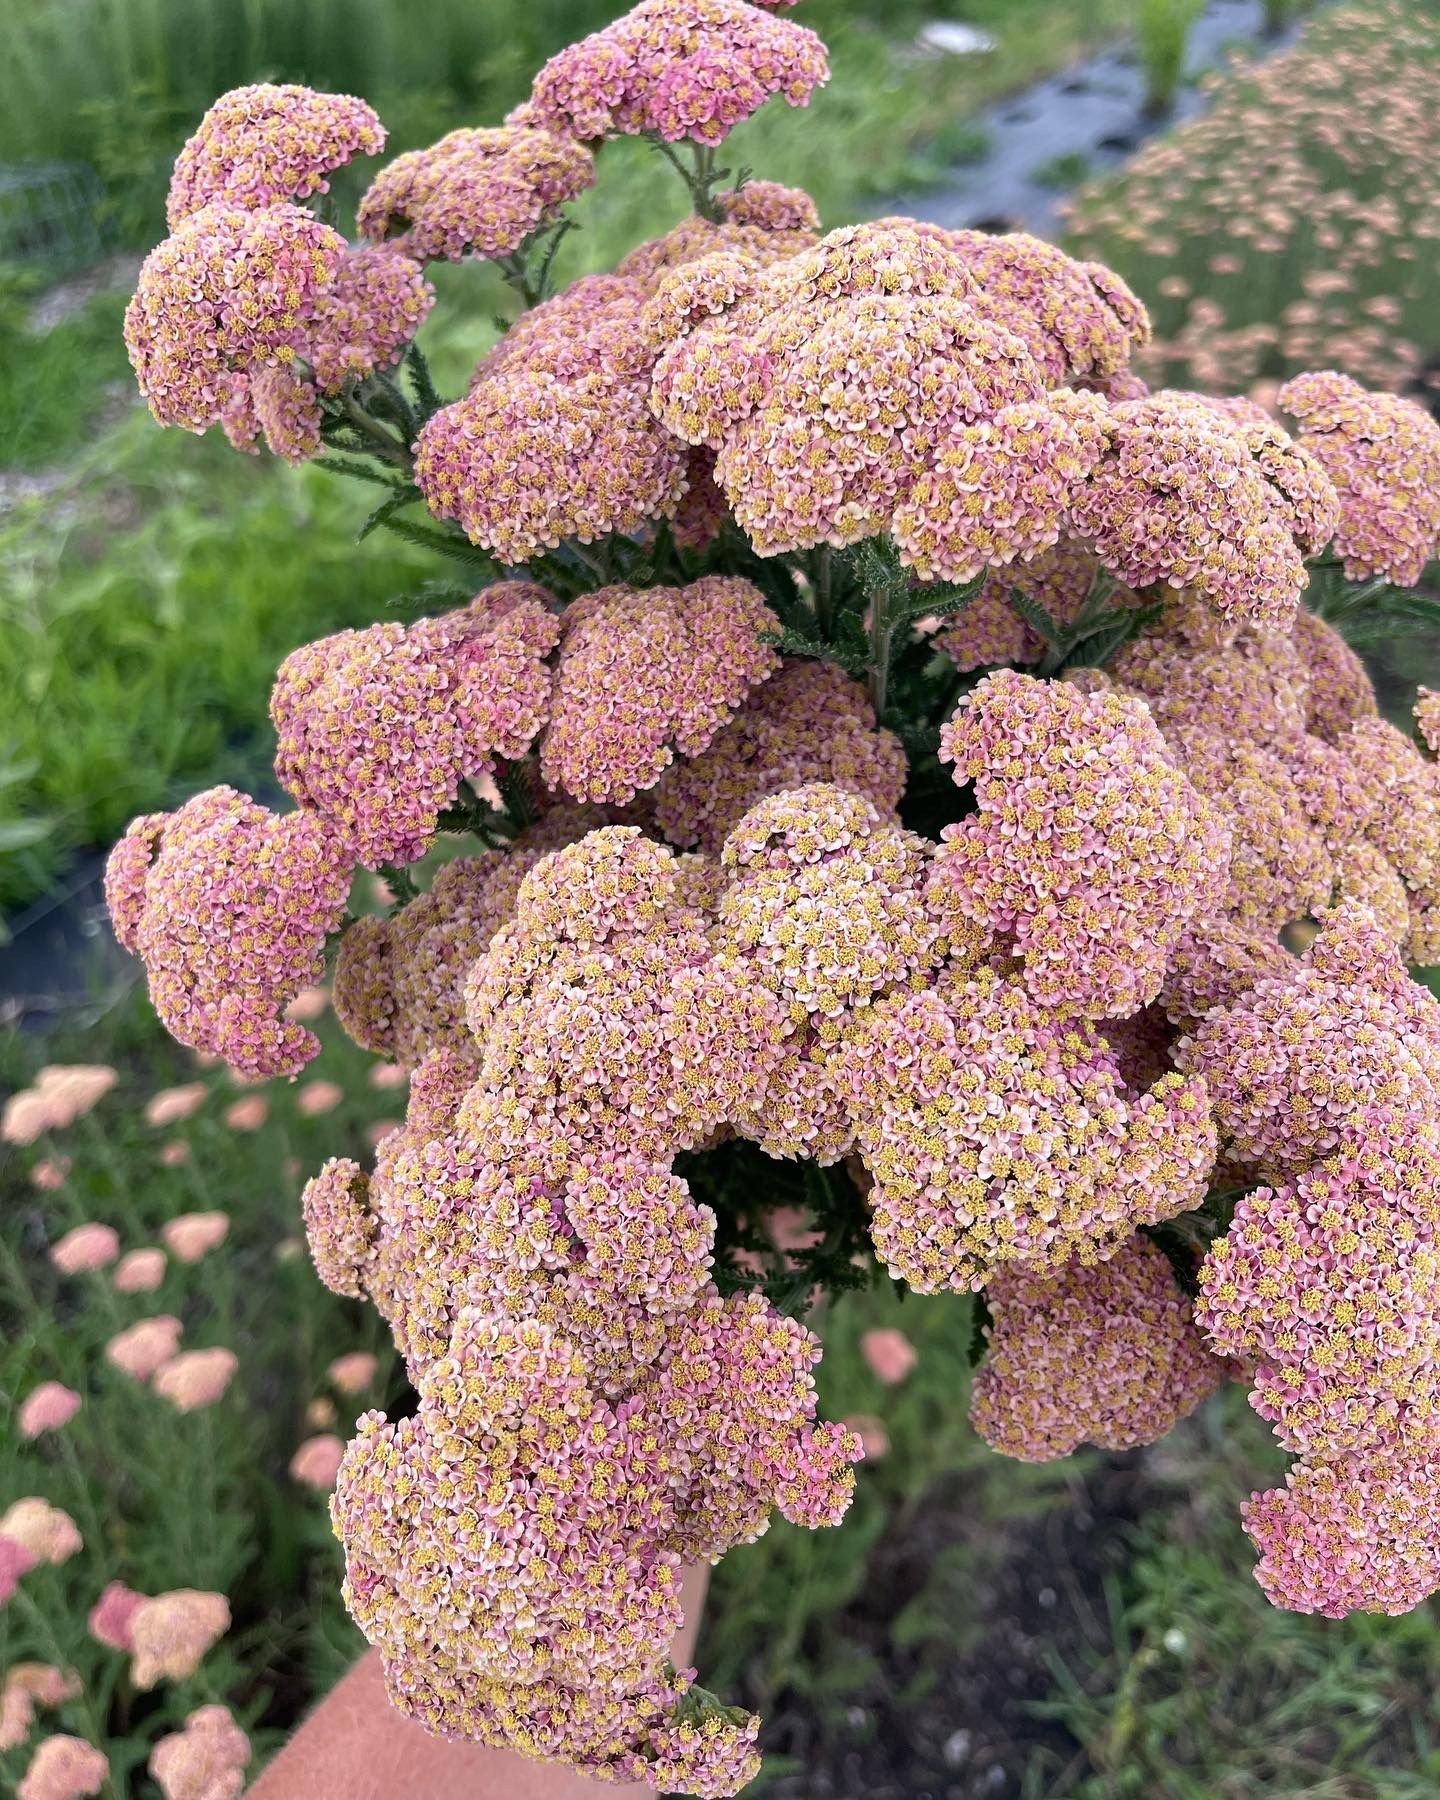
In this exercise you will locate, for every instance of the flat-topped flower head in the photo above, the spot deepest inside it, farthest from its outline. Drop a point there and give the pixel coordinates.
(142, 1348)
(109, 1618)
(59, 1095)
(50, 1406)
(1328, 1285)
(266, 143)
(230, 292)
(1300, 1056)
(998, 489)
(339, 1225)
(231, 922)
(27, 1685)
(740, 235)
(47, 1532)
(475, 192)
(1341, 691)
(828, 386)
(1188, 495)
(808, 723)
(484, 1609)
(679, 69)
(606, 1253)
(85, 1247)
(205, 1761)
(1280, 867)
(399, 979)
(769, 205)
(170, 1634)
(1001, 1134)
(64, 1768)
(1079, 319)
(190, 1236)
(1089, 849)
(606, 977)
(825, 901)
(1358, 1535)
(416, 708)
(1214, 963)
(196, 1378)
(1105, 1354)
(1383, 454)
(1254, 689)
(643, 674)
(556, 437)
(377, 302)
(1404, 816)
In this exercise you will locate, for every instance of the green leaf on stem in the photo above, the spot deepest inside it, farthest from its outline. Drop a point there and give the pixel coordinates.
(796, 643)
(1039, 618)
(427, 395)
(386, 510)
(344, 465)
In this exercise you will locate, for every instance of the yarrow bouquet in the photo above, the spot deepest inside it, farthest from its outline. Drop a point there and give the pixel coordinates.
(907, 814)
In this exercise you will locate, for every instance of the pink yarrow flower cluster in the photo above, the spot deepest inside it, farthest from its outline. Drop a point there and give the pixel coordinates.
(556, 438)
(1383, 455)
(249, 280)
(265, 144)
(479, 193)
(377, 728)
(1089, 849)
(679, 69)
(229, 907)
(643, 674)
(1106, 1354)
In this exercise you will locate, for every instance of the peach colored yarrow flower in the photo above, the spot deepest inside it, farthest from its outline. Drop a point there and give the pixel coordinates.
(63, 1768)
(171, 1632)
(677, 68)
(1383, 454)
(266, 143)
(47, 1407)
(228, 905)
(479, 192)
(86, 1247)
(1106, 1355)
(205, 1761)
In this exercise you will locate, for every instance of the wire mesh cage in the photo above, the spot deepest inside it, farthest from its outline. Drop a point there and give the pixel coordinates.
(50, 214)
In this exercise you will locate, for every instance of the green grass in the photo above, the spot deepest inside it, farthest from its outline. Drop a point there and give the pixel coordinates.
(144, 608)
(1163, 29)
(1065, 170)
(54, 385)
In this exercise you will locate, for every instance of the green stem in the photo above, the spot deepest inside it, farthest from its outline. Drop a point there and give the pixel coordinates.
(823, 580)
(400, 882)
(386, 443)
(558, 233)
(700, 175)
(707, 176)
(517, 274)
(882, 633)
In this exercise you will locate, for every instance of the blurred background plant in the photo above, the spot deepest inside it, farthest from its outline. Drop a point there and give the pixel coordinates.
(1163, 33)
(1296, 223)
